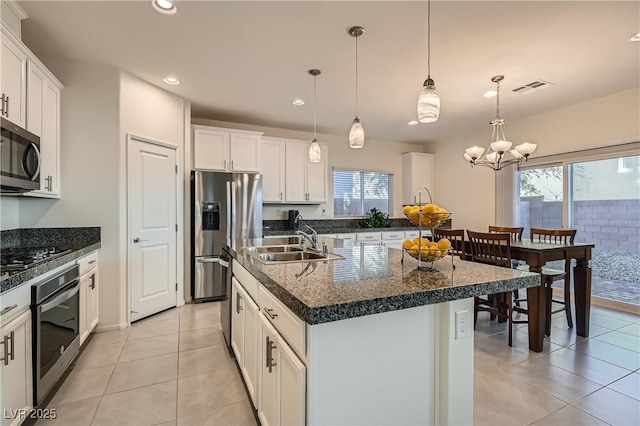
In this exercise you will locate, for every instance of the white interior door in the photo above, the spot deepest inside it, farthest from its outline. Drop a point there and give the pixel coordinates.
(152, 227)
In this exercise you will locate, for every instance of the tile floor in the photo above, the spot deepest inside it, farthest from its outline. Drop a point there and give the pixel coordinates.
(173, 369)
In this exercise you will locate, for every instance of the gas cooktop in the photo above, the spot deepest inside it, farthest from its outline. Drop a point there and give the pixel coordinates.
(21, 258)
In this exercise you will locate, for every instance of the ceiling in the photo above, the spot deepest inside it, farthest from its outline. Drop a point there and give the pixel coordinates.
(245, 62)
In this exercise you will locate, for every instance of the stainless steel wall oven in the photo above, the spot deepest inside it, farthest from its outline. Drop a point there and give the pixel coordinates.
(55, 305)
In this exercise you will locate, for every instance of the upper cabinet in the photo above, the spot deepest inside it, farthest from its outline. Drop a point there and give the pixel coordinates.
(289, 176)
(31, 99)
(417, 171)
(225, 150)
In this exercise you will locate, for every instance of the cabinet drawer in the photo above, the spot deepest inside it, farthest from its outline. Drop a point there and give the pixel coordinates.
(286, 322)
(244, 277)
(346, 236)
(392, 236)
(414, 234)
(368, 236)
(87, 262)
(14, 302)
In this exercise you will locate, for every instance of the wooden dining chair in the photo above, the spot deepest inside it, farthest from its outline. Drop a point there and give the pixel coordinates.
(549, 275)
(516, 235)
(494, 249)
(456, 237)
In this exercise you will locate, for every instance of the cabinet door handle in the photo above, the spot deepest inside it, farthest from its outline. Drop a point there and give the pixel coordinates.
(238, 306)
(92, 262)
(93, 282)
(2, 105)
(50, 185)
(12, 354)
(5, 350)
(7, 309)
(270, 313)
(232, 164)
(281, 196)
(270, 347)
(6, 108)
(224, 164)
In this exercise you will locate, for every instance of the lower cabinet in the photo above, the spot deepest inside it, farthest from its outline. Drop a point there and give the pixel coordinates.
(88, 266)
(15, 369)
(244, 336)
(282, 380)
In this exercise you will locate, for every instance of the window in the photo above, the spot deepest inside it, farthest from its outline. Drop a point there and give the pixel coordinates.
(357, 192)
(541, 196)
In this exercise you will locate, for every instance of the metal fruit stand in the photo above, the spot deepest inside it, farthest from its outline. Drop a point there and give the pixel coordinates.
(430, 220)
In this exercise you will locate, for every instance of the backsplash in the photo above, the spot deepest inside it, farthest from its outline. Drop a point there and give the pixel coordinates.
(32, 237)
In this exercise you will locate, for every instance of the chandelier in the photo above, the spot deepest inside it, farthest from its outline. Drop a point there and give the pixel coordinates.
(499, 146)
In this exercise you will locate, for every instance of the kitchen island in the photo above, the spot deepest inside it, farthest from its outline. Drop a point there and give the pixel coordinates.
(378, 343)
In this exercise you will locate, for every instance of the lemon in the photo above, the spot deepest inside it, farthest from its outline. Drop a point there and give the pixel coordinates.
(425, 242)
(433, 246)
(407, 244)
(406, 209)
(415, 209)
(416, 240)
(444, 244)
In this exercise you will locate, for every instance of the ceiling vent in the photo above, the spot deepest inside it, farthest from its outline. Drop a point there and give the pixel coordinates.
(534, 86)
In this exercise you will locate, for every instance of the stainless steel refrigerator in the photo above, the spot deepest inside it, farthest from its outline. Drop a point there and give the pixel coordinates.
(225, 207)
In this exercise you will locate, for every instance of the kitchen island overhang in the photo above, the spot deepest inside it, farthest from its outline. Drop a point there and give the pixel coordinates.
(380, 343)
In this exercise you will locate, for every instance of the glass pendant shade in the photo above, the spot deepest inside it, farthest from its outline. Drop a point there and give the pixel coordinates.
(474, 152)
(315, 154)
(356, 134)
(493, 157)
(428, 103)
(501, 146)
(526, 148)
(515, 154)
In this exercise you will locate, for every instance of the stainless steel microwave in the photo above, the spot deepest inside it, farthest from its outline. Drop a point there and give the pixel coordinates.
(19, 159)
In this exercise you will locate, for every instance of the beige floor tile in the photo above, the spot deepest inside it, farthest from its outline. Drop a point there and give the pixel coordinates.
(110, 336)
(76, 413)
(169, 423)
(200, 338)
(588, 367)
(144, 372)
(150, 347)
(610, 353)
(611, 407)
(623, 340)
(198, 393)
(625, 316)
(607, 321)
(238, 414)
(149, 405)
(628, 385)
(195, 322)
(172, 313)
(203, 360)
(145, 330)
(99, 355)
(500, 341)
(569, 416)
(500, 399)
(83, 384)
(633, 329)
(555, 381)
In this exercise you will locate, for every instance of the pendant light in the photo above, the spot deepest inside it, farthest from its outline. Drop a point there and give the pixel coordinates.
(428, 100)
(315, 154)
(356, 134)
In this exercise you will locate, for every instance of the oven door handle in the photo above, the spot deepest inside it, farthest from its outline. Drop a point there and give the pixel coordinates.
(62, 297)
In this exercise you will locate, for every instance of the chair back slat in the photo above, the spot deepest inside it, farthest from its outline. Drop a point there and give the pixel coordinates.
(516, 233)
(455, 236)
(558, 236)
(490, 247)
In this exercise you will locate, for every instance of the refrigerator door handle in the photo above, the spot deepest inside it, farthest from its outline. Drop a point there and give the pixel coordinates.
(223, 262)
(208, 260)
(229, 236)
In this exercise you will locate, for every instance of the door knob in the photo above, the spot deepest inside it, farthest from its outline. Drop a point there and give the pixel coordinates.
(138, 240)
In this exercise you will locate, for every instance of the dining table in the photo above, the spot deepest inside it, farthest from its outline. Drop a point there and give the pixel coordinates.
(536, 254)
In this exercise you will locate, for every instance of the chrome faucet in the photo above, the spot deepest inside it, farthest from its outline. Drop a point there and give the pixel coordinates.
(311, 237)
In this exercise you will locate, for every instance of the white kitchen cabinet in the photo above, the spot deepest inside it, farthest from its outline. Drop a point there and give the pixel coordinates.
(225, 150)
(14, 74)
(15, 369)
(282, 384)
(417, 171)
(88, 270)
(273, 170)
(244, 336)
(43, 119)
(393, 239)
(305, 182)
(369, 237)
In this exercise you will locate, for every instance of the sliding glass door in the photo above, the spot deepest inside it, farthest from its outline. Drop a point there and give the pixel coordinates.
(540, 198)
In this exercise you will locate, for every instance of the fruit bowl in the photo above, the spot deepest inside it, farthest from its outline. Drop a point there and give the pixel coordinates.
(428, 215)
(427, 254)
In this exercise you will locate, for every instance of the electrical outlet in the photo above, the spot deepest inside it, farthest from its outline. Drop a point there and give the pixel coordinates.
(324, 212)
(278, 212)
(463, 327)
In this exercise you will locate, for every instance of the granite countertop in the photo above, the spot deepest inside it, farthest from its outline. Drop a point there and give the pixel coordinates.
(81, 241)
(372, 279)
(281, 232)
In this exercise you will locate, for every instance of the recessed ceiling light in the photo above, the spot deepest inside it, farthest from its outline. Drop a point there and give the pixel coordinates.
(165, 7)
(635, 37)
(489, 93)
(298, 101)
(413, 122)
(171, 80)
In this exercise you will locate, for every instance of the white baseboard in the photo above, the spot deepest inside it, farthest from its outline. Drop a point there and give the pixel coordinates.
(99, 328)
(603, 302)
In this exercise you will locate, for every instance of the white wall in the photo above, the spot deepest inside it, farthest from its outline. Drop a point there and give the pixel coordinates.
(9, 213)
(470, 192)
(376, 155)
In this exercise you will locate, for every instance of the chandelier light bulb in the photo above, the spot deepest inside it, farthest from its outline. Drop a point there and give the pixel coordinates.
(526, 148)
(474, 152)
(493, 157)
(501, 146)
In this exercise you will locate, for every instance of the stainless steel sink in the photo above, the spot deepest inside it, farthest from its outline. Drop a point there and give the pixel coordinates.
(283, 254)
(274, 249)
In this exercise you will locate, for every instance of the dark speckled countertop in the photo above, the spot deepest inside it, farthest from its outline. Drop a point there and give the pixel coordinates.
(81, 241)
(371, 279)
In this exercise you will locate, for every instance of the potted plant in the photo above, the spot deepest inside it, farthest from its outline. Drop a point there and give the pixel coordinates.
(376, 219)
